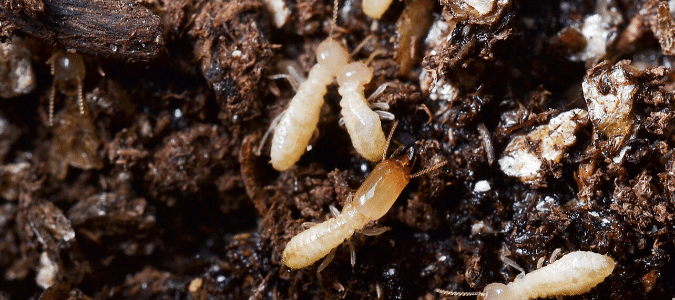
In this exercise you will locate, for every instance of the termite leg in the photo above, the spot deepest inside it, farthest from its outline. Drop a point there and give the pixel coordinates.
(380, 89)
(540, 262)
(512, 264)
(362, 44)
(294, 78)
(554, 255)
(334, 210)
(352, 252)
(307, 225)
(374, 231)
(379, 105)
(273, 125)
(326, 261)
(385, 115)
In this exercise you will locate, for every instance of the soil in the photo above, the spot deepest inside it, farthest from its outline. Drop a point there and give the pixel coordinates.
(162, 188)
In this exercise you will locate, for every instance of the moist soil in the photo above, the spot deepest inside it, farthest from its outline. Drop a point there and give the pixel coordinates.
(163, 189)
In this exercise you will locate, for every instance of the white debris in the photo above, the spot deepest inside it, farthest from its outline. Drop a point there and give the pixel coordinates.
(46, 275)
(609, 92)
(443, 91)
(600, 30)
(617, 104)
(16, 72)
(279, 11)
(481, 227)
(524, 156)
(482, 186)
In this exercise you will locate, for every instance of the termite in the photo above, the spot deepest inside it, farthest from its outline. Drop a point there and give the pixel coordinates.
(68, 69)
(363, 124)
(298, 122)
(372, 200)
(375, 8)
(573, 274)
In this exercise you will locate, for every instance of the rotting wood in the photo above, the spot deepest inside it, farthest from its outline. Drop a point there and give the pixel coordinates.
(112, 29)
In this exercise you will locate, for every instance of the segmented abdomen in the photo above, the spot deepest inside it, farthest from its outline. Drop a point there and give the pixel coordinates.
(363, 124)
(299, 121)
(316, 242)
(573, 274)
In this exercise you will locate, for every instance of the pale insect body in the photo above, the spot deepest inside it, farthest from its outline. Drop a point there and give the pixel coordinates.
(363, 124)
(375, 8)
(68, 70)
(372, 200)
(573, 274)
(299, 120)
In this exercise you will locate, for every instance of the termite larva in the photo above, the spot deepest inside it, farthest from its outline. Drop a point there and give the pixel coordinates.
(372, 201)
(363, 124)
(573, 274)
(68, 70)
(299, 120)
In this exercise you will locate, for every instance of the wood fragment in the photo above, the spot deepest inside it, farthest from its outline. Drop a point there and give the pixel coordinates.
(117, 29)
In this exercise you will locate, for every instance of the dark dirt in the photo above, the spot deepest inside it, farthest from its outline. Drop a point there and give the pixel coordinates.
(158, 191)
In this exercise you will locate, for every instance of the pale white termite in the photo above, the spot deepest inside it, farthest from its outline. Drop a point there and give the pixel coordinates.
(363, 124)
(375, 8)
(298, 122)
(68, 70)
(372, 200)
(573, 274)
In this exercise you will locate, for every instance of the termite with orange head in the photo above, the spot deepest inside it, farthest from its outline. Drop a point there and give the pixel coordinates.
(68, 69)
(372, 200)
(573, 274)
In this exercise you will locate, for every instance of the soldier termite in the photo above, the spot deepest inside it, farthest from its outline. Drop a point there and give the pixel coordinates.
(573, 274)
(68, 70)
(372, 200)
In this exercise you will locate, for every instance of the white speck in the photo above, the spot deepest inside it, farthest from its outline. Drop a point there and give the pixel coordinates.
(522, 160)
(279, 11)
(481, 227)
(220, 278)
(236, 53)
(482, 186)
(177, 113)
(47, 271)
(481, 6)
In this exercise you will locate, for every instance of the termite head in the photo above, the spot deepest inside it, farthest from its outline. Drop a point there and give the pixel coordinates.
(68, 70)
(497, 291)
(406, 159)
(355, 72)
(332, 55)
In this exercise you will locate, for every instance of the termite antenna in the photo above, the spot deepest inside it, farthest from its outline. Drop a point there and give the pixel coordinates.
(374, 54)
(335, 15)
(429, 169)
(458, 294)
(386, 145)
